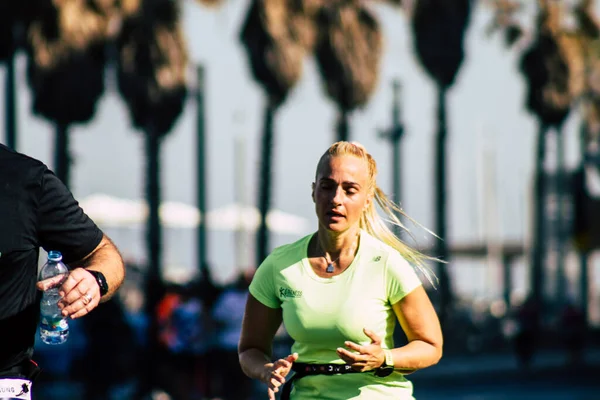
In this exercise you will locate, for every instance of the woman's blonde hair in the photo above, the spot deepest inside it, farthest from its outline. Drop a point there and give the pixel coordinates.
(371, 221)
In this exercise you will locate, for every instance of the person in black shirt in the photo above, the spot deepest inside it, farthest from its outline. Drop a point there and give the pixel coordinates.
(37, 210)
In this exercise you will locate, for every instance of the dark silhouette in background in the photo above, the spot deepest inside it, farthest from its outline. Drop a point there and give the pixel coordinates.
(573, 329)
(528, 331)
(111, 354)
(227, 314)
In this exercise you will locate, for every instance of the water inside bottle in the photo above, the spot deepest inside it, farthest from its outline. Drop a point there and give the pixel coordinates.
(54, 328)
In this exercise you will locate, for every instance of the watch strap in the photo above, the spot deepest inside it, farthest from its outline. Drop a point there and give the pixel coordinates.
(101, 280)
(389, 358)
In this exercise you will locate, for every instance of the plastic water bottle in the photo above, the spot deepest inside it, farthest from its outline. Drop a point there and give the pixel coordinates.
(54, 328)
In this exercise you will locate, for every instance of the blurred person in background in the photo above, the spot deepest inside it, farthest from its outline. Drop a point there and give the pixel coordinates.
(106, 363)
(227, 314)
(573, 329)
(528, 329)
(339, 292)
(37, 210)
(185, 336)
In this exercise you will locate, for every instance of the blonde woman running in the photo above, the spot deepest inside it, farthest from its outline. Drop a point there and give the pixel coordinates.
(339, 292)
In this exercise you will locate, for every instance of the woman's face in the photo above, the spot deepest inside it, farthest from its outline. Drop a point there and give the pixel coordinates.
(341, 192)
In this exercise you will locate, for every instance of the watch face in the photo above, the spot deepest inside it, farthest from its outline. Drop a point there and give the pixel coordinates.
(384, 371)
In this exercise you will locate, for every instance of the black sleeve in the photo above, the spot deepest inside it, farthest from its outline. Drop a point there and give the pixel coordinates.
(62, 224)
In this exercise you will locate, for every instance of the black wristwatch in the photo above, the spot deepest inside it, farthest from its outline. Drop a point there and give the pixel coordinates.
(101, 280)
(388, 365)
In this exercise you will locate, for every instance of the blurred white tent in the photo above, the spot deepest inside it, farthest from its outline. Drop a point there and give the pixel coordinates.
(235, 217)
(114, 212)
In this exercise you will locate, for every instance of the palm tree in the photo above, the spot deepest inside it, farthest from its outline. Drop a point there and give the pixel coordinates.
(12, 17)
(275, 53)
(348, 53)
(151, 73)
(14, 22)
(438, 33)
(554, 69)
(66, 68)
(589, 28)
(504, 19)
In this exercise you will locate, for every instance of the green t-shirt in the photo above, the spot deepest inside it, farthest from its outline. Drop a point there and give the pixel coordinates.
(320, 314)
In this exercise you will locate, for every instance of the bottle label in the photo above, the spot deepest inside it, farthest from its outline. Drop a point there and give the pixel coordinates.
(15, 388)
(56, 324)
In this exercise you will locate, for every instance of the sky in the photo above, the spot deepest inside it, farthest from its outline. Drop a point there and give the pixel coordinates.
(490, 151)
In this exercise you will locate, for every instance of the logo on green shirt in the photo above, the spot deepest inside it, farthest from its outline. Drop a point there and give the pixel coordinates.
(287, 292)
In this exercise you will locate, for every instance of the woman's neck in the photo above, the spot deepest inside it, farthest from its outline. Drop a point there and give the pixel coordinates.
(334, 244)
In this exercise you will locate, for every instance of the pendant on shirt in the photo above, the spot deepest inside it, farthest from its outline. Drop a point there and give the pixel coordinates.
(329, 268)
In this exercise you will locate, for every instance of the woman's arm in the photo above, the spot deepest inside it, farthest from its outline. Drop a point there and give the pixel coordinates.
(259, 326)
(421, 326)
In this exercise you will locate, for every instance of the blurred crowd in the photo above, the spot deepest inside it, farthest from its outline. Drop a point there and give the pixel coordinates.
(198, 328)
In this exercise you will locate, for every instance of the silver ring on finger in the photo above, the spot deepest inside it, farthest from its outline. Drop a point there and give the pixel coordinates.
(86, 298)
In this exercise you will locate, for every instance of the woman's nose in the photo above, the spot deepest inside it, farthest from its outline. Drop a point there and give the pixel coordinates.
(337, 196)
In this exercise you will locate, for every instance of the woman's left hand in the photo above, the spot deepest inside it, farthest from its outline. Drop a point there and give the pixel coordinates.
(363, 358)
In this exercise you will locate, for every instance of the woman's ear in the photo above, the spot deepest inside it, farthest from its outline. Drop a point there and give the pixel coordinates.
(368, 200)
(312, 194)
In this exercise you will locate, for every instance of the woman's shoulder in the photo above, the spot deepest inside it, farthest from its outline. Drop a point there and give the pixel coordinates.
(380, 252)
(290, 252)
(376, 245)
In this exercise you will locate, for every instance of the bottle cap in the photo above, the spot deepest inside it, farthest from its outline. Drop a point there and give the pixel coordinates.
(54, 255)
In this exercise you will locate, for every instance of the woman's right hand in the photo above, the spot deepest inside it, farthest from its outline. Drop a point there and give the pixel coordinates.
(276, 372)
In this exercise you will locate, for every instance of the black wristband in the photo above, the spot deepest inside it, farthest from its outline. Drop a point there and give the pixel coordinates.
(101, 280)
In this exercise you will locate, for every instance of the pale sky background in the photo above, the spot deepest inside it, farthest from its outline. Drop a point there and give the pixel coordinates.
(485, 112)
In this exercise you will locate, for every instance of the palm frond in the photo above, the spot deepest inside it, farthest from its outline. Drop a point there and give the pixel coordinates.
(348, 53)
(152, 66)
(210, 3)
(275, 54)
(554, 67)
(438, 32)
(66, 61)
(14, 16)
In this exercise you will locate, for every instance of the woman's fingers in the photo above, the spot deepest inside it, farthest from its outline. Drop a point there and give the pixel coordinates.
(274, 384)
(280, 369)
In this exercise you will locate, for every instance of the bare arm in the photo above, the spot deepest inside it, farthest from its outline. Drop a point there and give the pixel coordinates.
(106, 258)
(258, 330)
(80, 291)
(421, 325)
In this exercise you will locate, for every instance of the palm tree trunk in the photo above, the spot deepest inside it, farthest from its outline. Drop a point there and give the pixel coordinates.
(343, 128)
(584, 284)
(11, 103)
(440, 203)
(561, 194)
(539, 218)
(154, 285)
(62, 156)
(264, 196)
(396, 135)
(154, 232)
(201, 175)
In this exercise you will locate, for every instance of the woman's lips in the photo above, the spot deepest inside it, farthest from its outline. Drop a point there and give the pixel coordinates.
(334, 215)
